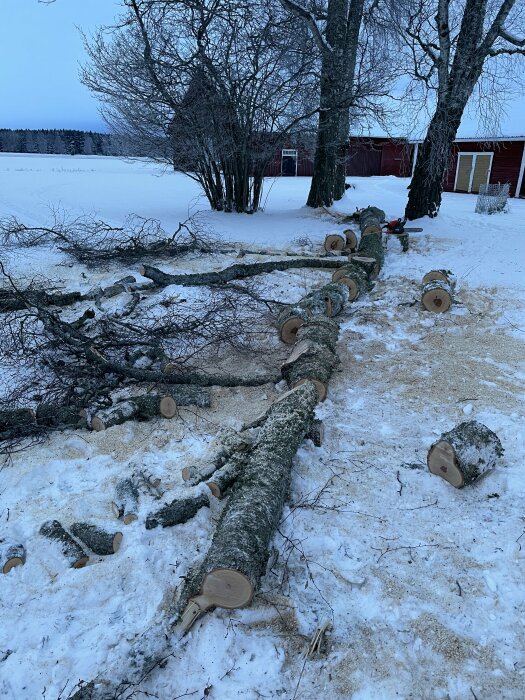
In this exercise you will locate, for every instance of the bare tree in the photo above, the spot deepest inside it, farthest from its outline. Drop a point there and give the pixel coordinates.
(212, 86)
(450, 43)
(335, 30)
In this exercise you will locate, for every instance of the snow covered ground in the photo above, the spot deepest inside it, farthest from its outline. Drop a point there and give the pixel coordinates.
(423, 584)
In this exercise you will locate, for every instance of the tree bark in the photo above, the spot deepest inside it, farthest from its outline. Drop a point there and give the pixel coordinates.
(235, 272)
(178, 511)
(354, 277)
(328, 300)
(99, 541)
(11, 300)
(140, 408)
(310, 361)
(465, 453)
(72, 551)
(126, 503)
(371, 246)
(370, 220)
(239, 549)
(227, 443)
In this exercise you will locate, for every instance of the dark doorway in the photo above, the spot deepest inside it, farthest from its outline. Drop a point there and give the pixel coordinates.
(289, 162)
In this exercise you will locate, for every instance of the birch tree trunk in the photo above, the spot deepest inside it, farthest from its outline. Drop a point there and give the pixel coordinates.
(457, 60)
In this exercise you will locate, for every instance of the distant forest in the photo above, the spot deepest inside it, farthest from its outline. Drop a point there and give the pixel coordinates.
(65, 141)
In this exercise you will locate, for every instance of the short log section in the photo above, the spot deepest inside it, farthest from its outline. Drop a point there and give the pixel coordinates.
(370, 220)
(99, 541)
(225, 444)
(335, 242)
(126, 503)
(354, 277)
(328, 301)
(12, 556)
(139, 408)
(71, 550)
(177, 512)
(465, 453)
(437, 296)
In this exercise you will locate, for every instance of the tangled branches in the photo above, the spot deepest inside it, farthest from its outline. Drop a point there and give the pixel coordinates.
(78, 358)
(94, 242)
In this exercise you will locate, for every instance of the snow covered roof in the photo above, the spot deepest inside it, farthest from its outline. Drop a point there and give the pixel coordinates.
(488, 139)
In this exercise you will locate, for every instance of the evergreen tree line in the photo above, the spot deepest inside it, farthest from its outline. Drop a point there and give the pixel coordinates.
(66, 141)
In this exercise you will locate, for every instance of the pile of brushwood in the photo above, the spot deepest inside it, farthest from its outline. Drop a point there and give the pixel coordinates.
(69, 354)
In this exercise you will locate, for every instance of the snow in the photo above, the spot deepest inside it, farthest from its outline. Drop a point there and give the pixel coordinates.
(423, 584)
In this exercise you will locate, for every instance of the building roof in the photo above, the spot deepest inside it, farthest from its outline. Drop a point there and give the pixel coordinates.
(479, 139)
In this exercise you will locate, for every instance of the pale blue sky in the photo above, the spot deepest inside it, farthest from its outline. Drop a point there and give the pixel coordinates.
(40, 52)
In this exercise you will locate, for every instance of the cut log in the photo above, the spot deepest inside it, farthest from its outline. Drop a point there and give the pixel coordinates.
(125, 505)
(316, 433)
(322, 330)
(238, 553)
(82, 320)
(335, 242)
(178, 511)
(370, 220)
(11, 300)
(328, 300)
(465, 453)
(225, 444)
(371, 247)
(223, 478)
(309, 361)
(290, 320)
(235, 272)
(11, 556)
(53, 416)
(369, 265)
(99, 541)
(135, 408)
(441, 276)
(72, 551)
(19, 419)
(437, 296)
(354, 277)
(351, 239)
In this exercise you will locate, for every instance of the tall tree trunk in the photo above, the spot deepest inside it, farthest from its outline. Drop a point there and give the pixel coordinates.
(337, 76)
(432, 162)
(322, 187)
(341, 153)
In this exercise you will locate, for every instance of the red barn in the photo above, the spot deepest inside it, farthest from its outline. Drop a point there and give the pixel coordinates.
(473, 161)
(367, 155)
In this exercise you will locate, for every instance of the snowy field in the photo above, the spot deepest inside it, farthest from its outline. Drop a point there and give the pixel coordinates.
(423, 584)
